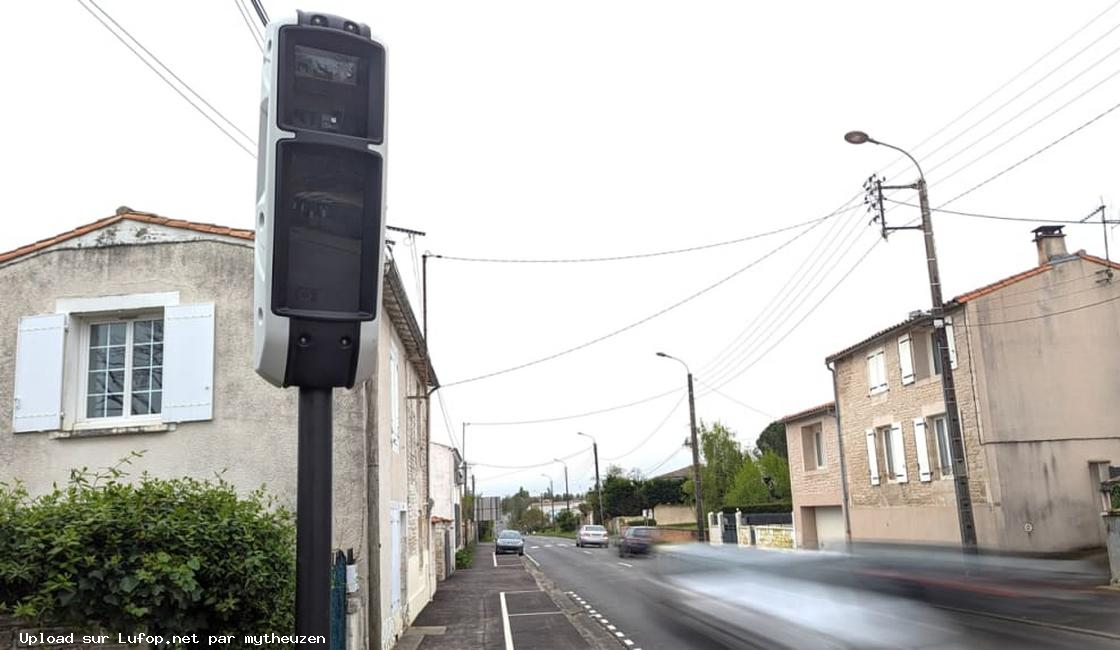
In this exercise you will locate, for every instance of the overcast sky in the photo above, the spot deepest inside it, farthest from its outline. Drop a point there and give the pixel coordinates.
(592, 129)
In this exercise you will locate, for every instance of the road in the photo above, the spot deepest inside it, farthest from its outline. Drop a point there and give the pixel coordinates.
(757, 590)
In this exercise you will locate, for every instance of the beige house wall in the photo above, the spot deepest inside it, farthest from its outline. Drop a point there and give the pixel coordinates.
(666, 514)
(812, 486)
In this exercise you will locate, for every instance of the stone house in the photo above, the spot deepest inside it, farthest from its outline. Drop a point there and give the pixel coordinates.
(134, 333)
(814, 477)
(1037, 373)
(446, 488)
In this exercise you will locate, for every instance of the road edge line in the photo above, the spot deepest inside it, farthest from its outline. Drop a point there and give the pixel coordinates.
(533, 559)
(1027, 621)
(505, 623)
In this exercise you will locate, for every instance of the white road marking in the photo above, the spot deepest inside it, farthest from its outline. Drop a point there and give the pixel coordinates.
(533, 547)
(495, 556)
(619, 634)
(611, 628)
(588, 552)
(596, 615)
(631, 566)
(604, 621)
(525, 591)
(628, 642)
(532, 559)
(548, 545)
(536, 613)
(586, 606)
(505, 623)
(592, 612)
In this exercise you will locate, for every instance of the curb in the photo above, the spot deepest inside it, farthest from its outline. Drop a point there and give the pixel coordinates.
(596, 637)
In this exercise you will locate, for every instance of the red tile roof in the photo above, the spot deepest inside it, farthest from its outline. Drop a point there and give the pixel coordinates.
(121, 215)
(819, 409)
(999, 284)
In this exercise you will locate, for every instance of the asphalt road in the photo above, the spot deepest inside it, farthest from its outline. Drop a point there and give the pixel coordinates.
(638, 597)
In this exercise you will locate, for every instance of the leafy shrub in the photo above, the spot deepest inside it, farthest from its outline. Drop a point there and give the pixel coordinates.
(1116, 496)
(760, 508)
(567, 521)
(168, 557)
(464, 557)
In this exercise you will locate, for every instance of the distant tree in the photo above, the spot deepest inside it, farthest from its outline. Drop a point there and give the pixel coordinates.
(621, 496)
(748, 486)
(533, 519)
(777, 468)
(773, 438)
(722, 459)
(657, 491)
(567, 520)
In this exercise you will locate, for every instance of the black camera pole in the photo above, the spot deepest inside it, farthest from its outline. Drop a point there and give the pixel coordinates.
(313, 513)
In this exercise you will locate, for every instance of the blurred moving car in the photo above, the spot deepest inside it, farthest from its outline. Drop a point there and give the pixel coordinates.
(509, 541)
(591, 535)
(636, 540)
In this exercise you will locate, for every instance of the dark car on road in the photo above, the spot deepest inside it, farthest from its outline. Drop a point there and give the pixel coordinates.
(636, 540)
(509, 541)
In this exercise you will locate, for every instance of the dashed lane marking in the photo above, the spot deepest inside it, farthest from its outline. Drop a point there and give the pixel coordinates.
(532, 559)
(587, 552)
(629, 566)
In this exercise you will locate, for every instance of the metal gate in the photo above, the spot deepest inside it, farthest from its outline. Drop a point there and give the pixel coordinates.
(730, 530)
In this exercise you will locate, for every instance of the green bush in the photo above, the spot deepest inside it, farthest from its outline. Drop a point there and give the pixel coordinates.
(464, 557)
(1116, 496)
(174, 556)
(567, 521)
(760, 508)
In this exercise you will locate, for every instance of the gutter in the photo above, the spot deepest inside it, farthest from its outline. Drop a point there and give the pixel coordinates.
(845, 501)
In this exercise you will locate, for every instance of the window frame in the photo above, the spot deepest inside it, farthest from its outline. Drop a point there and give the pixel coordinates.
(82, 421)
(880, 354)
(947, 450)
(884, 434)
(818, 446)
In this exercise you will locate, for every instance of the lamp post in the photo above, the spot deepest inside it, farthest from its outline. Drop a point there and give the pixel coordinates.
(948, 387)
(551, 497)
(598, 486)
(567, 492)
(695, 450)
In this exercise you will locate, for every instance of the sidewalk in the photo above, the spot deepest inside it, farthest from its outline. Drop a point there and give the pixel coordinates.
(499, 604)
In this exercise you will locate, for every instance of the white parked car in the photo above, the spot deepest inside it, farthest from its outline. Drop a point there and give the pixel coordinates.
(591, 535)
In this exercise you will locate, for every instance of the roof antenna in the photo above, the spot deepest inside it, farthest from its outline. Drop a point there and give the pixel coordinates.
(1104, 229)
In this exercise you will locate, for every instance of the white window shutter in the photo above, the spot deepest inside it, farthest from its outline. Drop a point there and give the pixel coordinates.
(188, 362)
(872, 460)
(898, 451)
(905, 359)
(952, 343)
(923, 449)
(38, 380)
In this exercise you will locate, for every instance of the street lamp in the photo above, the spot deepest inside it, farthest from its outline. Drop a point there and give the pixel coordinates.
(695, 449)
(567, 492)
(551, 497)
(948, 387)
(598, 486)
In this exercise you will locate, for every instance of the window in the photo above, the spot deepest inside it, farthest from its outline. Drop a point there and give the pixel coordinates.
(812, 447)
(944, 455)
(876, 372)
(935, 357)
(905, 360)
(124, 369)
(394, 398)
(894, 452)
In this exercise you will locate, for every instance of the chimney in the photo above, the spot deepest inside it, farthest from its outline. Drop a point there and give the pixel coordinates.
(1051, 243)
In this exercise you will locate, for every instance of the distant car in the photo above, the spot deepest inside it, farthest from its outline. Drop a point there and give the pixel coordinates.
(509, 541)
(591, 535)
(636, 540)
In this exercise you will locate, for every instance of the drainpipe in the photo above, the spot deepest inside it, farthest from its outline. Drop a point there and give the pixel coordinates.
(846, 504)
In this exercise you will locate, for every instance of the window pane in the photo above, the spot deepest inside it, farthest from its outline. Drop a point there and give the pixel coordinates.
(943, 455)
(114, 406)
(157, 330)
(157, 379)
(97, 382)
(117, 333)
(157, 355)
(98, 359)
(116, 381)
(95, 406)
(936, 353)
(140, 403)
(141, 356)
(116, 357)
(140, 379)
(142, 331)
(98, 335)
(156, 401)
(888, 451)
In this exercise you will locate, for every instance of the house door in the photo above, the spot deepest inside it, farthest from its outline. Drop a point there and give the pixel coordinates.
(395, 560)
(830, 527)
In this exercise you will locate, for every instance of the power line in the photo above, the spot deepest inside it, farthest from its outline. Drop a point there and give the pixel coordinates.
(1050, 315)
(261, 13)
(160, 74)
(651, 433)
(246, 17)
(573, 416)
(658, 466)
(979, 215)
(616, 258)
(1043, 149)
(728, 397)
(642, 321)
(534, 466)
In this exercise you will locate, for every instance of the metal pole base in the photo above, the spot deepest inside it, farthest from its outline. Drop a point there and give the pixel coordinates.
(313, 516)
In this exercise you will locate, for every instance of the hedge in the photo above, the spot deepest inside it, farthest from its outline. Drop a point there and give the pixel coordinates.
(174, 556)
(760, 508)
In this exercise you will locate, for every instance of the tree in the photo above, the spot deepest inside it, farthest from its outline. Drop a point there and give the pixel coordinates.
(748, 486)
(773, 438)
(722, 459)
(657, 491)
(777, 468)
(533, 519)
(567, 520)
(621, 496)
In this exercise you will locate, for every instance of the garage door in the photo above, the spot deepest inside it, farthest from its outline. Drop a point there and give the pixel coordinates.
(830, 527)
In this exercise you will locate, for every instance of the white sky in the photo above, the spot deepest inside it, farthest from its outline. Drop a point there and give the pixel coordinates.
(577, 129)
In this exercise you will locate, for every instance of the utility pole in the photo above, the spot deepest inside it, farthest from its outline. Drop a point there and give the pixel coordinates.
(598, 485)
(948, 386)
(567, 492)
(694, 443)
(551, 498)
